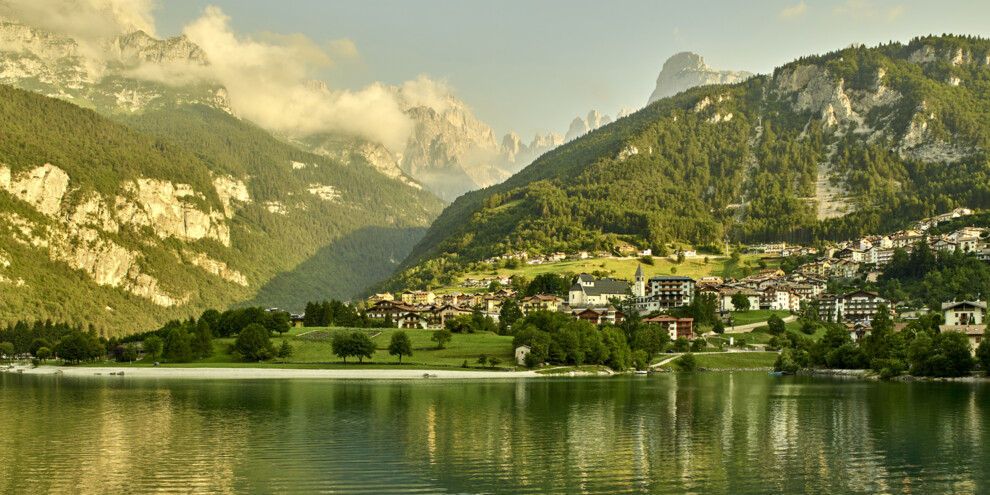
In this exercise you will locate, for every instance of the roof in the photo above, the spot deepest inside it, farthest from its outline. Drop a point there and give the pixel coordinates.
(977, 304)
(672, 278)
(639, 271)
(966, 329)
(603, 286)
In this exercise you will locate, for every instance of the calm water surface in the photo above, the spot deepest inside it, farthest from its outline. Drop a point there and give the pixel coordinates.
(672, 433)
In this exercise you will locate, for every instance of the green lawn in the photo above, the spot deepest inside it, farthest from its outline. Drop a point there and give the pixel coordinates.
(626, 269)
(734, 360)
(756, 316)
(312, 348)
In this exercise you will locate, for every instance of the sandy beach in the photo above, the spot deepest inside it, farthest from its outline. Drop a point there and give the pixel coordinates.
(271, 373)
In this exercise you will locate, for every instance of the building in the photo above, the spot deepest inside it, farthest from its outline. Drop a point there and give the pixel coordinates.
(662, 293)
(968, 317)
(521, 353)
(639, 282)
(859, 306)
(418, 297)
(964, 312)
(675, 327)
(591, 291)
(540, 302)
(599, 316)
(725, 298)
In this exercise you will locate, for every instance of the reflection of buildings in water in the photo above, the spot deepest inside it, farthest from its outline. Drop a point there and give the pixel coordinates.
(431, 432)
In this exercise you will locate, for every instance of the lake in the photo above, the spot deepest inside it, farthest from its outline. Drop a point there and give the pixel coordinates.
(738, 432)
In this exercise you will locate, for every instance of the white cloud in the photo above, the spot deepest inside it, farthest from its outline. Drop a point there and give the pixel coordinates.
(793, 12)
(266, 79)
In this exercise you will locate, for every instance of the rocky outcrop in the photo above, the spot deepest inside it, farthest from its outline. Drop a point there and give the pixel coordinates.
(580, 127)
(686, 70)
(159, 205)
(217, 268)
(81, 220)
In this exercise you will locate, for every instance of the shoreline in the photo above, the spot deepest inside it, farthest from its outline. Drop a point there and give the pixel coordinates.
(269, 373)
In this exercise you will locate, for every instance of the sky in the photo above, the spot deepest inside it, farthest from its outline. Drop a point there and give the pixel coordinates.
(534, 65)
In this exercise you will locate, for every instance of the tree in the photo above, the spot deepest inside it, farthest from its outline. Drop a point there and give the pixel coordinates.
(76, 347)
(494, 361)
(400, 345)
(681, 344)
(508, 315)
(983, 355)
(441, 337)
(680, 257)
(494, 286)
(202, 341)
(362, 345)
(735, 256)
(130, 353)
(640, 360)
(687, 362)
(698, 345)
(776, 325)
(7, 350)
(38, 344)
(277, 321)
(254, 343)
(786, 362)
(342, 346)
(43, 353)
(285, 350)
(740, 301)
(153, 346)
(483, 359)
(177, 348)
(718, 327)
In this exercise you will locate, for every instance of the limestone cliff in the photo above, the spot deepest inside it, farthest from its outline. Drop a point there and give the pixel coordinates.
(686, 70)
(79, 233)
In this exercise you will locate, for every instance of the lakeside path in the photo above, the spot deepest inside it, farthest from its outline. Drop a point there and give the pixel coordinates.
(275, 373)
(751, 326)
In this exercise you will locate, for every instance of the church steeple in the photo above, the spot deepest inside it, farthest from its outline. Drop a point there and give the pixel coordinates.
(639, 284)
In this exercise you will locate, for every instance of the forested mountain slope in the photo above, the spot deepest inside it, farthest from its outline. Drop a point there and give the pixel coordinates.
(851, 142)
(100, 223)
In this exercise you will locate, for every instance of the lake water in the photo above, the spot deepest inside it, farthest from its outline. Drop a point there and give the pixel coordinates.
(741, 432)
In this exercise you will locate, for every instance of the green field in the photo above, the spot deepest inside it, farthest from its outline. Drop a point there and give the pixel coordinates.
(730, 360)
(312, 348)
(756, 316)
(736, 360)
(625, 268)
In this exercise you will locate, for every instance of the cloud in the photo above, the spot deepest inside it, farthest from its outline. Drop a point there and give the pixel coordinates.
(866, 10)
(88, 20)
(269, 82)
(91, 23)
(793, 12)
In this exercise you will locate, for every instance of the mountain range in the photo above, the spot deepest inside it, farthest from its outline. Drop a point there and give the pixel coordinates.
(851, 142)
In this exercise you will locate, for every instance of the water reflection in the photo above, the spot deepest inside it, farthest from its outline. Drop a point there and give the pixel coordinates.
(705, 432)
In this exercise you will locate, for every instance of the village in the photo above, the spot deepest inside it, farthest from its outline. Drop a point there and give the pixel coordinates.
(601, 300)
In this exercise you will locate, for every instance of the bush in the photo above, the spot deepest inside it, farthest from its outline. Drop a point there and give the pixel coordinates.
(698, 344)
(687, 362)
(254, 343)
(786, 362)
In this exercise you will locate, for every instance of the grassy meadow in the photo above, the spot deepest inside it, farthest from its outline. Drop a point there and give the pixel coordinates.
(625, 268)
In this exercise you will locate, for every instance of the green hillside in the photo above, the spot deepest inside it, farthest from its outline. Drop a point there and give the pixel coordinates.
(298, 207)
(898, 130)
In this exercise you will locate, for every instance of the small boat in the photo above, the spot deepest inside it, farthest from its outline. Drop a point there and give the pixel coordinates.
(642, 372)
(427, 375)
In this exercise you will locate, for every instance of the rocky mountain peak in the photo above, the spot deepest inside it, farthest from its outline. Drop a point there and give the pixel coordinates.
(686, 70)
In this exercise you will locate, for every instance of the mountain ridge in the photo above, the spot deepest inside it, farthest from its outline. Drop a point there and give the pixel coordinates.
(754, 160)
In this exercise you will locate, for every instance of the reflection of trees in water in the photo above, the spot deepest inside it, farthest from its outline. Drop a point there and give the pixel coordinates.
(701, 432)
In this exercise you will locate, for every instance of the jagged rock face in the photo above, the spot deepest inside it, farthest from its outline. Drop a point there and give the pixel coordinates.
(581, 127)
(138, 47)
(102, 77)
(79, 232)
(451, 152)
(686, 70)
